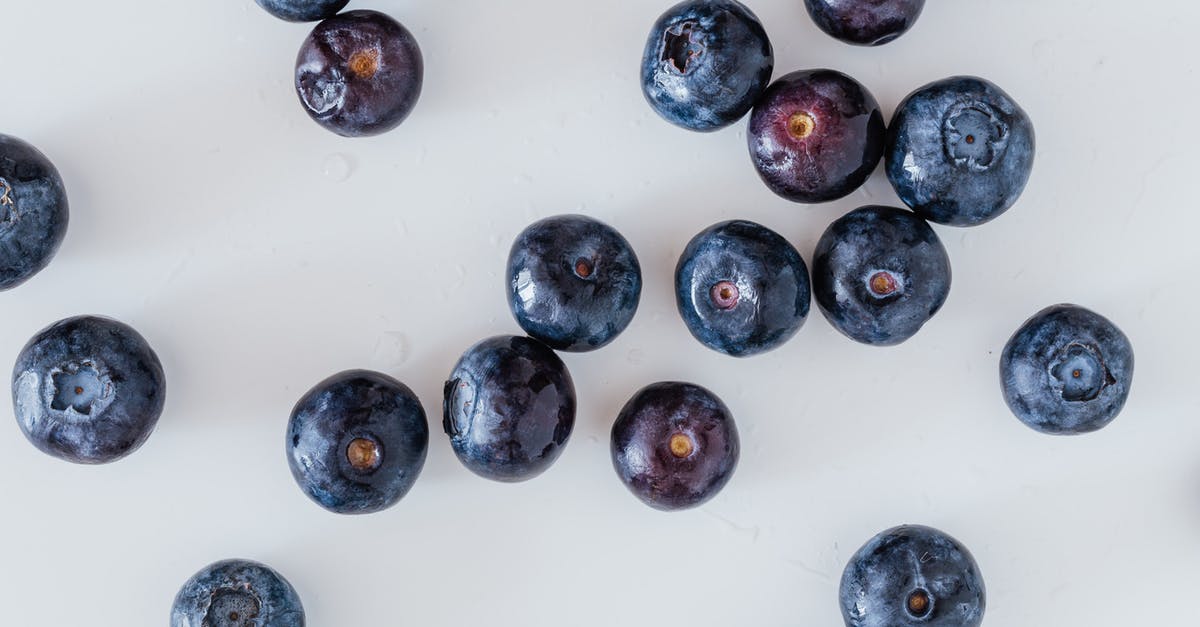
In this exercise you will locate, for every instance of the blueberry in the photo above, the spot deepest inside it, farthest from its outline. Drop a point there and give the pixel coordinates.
(509, 408)
(303, 10)
(359, 73)
(816, 135)
(33, 211)
(741, 288)
(356, 442)
(865, 22)
(912, 576)
(1067, 370)
(705, 64)
(573, 282)
(674, 445)
(88, 390)
(237, 593)
(959, 151)
(879, 274)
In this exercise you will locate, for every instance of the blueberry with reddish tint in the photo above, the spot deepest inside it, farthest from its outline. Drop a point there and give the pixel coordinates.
(509, 408)
(816, 135)
(960, 151)
(1066, 371)
(674, 445)
(573, 282)
(359, 73)
(741, 288)
(33, 211)
(237, 593)
(879, 274)
(865, 22)
(356, 442)
(706, 62)
(303, 10)
(912, 576)
(88, 390)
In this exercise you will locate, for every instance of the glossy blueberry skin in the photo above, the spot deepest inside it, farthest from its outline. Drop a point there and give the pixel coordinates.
(237, 593)
(830, 157)
(865, 22)
(865, 244)
(1067, 371)
(767, 276)
(357, 408)
(33, 211)
(509, 408)
(706, 62)
(359, 73)
(303, 10)
(959, 151)
(642, 445)
(573, 282)
(88, 390)
(902, 564)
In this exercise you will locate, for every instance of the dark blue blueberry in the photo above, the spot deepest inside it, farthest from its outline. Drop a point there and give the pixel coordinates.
(573, 282)
(1067, 370)
(88, 390)
(879, 274)
(509, 408)
(237, 593)
(959, 151)
(303, 10)
(356, 442)
(865, 22)
(33, 211)
(359, 73)
(912, 576)
(742, 289)
(674, 445)
(705, 64)
(816, 135)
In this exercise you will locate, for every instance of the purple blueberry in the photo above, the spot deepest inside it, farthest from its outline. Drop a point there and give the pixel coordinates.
(303, 10)
(237, 593)
(33, 211)
(865, 22)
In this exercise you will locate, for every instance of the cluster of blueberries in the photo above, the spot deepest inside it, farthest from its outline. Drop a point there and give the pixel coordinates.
(959, 151)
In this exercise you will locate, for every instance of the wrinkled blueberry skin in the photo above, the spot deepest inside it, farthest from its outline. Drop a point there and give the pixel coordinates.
(359, 73)
(865, 22)
(237, 593)
(1067, 371)
(706, 62)
(885, 573)
(509, 408)
(642, 453)
(768, 275)
(303, 10)
(959, 151)
(573, 282)
(861, 245)
(88, 390)
(349, 407)
(33, 211)
(839, 153)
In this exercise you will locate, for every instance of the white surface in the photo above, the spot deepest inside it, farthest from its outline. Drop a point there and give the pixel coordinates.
(259, 253)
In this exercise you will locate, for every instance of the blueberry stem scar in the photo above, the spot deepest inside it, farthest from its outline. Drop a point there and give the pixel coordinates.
(681, 445)
(583, 268)
(882, 283)
(918, 603)
(801, 125)
(725, 295)
(363, 454)
(364, 63)
(677, 47)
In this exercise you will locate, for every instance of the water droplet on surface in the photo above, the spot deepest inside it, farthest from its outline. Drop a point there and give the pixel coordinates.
(337, 167)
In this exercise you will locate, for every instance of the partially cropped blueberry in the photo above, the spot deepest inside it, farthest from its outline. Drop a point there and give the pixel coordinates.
(912, 576)
(674, 445)
(865, 22)
(359, 73)
(1067, 370)
(741, 288)
(816, 135)
(356, 442)
(706, 62)
(879, 274)
(959, 151)
(88, 390)
(509, 408)
(33, 211)
(237, 593)
(573, 282)
(303, 10)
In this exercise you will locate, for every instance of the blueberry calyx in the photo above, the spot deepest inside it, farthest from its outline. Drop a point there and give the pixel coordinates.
(682, 446)
(584, 268)
(975, 137)
(725, 295)
(79, 387)
(679, 48)
(882, 284)
(1081, 372)
(364, 63)
(801, 124)
(919, 604)
(232, 607)
(364, 454)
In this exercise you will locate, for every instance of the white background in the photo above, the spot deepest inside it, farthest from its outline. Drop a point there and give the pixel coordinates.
(259, 253)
